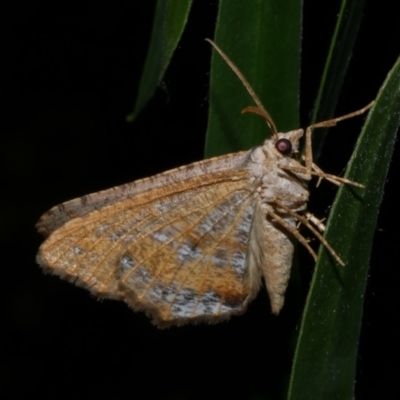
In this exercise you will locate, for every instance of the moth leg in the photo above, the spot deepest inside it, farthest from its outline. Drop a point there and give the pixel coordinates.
(319, 170)
(293, 231)
(306, 223)
(314, 220)
(318, 223)
(327, 124)
(337, 180)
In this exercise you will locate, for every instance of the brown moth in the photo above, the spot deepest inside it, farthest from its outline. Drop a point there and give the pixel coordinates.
(193, 244)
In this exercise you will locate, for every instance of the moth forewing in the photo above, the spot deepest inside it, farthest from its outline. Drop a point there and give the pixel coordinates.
(89, 249)
(81, 206)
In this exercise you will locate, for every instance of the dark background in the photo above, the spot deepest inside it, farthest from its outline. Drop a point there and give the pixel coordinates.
(70, 76)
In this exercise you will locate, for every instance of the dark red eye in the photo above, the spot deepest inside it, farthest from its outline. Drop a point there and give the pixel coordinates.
(284, 146)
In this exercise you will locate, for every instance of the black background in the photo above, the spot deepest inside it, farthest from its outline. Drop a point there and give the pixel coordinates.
(70, 76)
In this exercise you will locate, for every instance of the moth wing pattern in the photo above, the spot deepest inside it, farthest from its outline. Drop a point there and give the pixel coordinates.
(178, 250)
(81, 206)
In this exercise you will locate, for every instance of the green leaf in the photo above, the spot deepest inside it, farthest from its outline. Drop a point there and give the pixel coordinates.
(263, 39)
(177, 12)
(169, 21)
(325, 358)
(338, 57)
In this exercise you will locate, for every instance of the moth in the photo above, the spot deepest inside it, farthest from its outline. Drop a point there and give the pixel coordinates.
(194, 243)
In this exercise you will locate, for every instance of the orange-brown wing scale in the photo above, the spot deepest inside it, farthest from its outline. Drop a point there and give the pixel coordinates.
(62, 213)
(179, 253)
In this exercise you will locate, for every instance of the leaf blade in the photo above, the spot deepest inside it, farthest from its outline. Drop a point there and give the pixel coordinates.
(169, 22)
(326, 351)
(338, 57)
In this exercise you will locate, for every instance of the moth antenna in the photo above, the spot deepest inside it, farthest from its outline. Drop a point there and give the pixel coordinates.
(263, 112)
(266, 116)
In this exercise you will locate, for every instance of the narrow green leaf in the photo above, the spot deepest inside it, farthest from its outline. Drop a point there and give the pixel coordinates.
(263, 39)
(169, 21)
(338, 57)
(325, 358)
(177, 13)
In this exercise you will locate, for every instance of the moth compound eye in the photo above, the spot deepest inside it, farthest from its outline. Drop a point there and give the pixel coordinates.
(284, 146)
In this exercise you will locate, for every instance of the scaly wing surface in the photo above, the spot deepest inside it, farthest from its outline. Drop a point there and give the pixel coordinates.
(178, 251)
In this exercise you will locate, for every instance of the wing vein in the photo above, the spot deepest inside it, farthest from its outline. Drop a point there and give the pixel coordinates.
(180, 235)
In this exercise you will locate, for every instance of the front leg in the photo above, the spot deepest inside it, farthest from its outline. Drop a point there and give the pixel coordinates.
(326, 124)
(337, 180)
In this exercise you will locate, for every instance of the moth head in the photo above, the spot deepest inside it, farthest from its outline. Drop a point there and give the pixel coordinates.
(280, 144)
(287, 144)
(283, 144)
